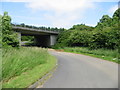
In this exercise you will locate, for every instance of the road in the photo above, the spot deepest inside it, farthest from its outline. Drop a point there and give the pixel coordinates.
(80, 71)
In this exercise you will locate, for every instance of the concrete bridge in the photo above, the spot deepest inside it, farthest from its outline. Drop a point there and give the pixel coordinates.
(43, 38)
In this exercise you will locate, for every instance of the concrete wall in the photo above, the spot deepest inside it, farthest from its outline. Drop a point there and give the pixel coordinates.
(19, 37)
(53, 39)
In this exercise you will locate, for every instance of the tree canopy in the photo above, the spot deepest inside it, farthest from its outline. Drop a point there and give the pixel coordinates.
(105, 34)
(9, 38)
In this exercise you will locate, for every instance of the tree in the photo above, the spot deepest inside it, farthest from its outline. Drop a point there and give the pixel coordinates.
(117, 13)
(81, 27)
(9, 38)
(105, 21)
(0, 30)
(105, 35)
(116, 17)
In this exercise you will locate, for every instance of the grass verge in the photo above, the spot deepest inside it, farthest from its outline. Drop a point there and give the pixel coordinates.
(22, 67)
(110, 55)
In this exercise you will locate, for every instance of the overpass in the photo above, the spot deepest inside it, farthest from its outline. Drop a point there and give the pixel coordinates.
(44, 38)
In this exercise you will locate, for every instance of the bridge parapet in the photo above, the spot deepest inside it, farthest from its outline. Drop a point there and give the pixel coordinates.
(35, 30)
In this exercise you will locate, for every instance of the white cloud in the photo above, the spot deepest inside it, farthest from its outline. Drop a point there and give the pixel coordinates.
(65, 12)
(59, 5)
(61, 20)
(113, 9)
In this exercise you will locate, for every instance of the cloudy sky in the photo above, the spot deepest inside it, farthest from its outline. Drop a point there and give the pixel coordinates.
(58, 13)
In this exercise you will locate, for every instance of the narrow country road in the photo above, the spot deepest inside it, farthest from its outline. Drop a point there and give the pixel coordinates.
(80, 71)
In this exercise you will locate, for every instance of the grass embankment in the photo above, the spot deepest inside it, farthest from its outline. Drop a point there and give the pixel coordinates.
(110, 55)
(22, 67)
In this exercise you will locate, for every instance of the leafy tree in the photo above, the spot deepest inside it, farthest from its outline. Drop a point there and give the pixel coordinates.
(105, 21)
(117, 13)
(116, 17)
(0, 30)
(8, 36)
(81, 27)
(62, 39)
(105, 35)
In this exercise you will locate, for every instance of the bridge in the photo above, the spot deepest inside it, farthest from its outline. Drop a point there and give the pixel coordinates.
(44, 38)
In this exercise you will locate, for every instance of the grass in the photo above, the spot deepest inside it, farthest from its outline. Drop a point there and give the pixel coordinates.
(24, 66)
(110, 55)
(0, 68)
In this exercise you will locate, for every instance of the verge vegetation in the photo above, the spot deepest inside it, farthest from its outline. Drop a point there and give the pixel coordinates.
(104, 37)
(22, 67)
(110, 55)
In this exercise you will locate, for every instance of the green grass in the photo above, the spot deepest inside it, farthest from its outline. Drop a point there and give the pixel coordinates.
(24, 66)
(0, 68)
(105, 54)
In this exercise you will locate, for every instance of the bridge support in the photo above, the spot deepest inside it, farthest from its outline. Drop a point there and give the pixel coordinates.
(19, 37)
(45, 40)
(53, 39)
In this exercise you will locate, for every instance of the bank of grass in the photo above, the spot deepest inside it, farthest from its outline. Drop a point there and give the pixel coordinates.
(22, 67)
(110, 55)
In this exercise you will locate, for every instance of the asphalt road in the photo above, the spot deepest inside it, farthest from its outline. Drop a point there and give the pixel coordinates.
(80, 71)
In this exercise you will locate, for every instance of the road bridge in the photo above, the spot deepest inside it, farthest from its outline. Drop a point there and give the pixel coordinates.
(44, 38)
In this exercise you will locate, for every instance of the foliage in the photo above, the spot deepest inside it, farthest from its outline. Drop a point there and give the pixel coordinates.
(116, 15)
(27, 38)
(17, 61)
(9, 38)
(81, 27)
(106, 34)
(79, 38)
(62, 38)
(105, 21)
(25, 65)
(74, 37)
(0, 30)
(102, 53)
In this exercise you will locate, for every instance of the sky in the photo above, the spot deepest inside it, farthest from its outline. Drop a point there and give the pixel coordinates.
(58, 13)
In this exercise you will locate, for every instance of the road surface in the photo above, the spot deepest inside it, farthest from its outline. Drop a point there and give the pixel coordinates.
(80, 71)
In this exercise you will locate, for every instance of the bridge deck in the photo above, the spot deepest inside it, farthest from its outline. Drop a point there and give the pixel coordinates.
(22, 29)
